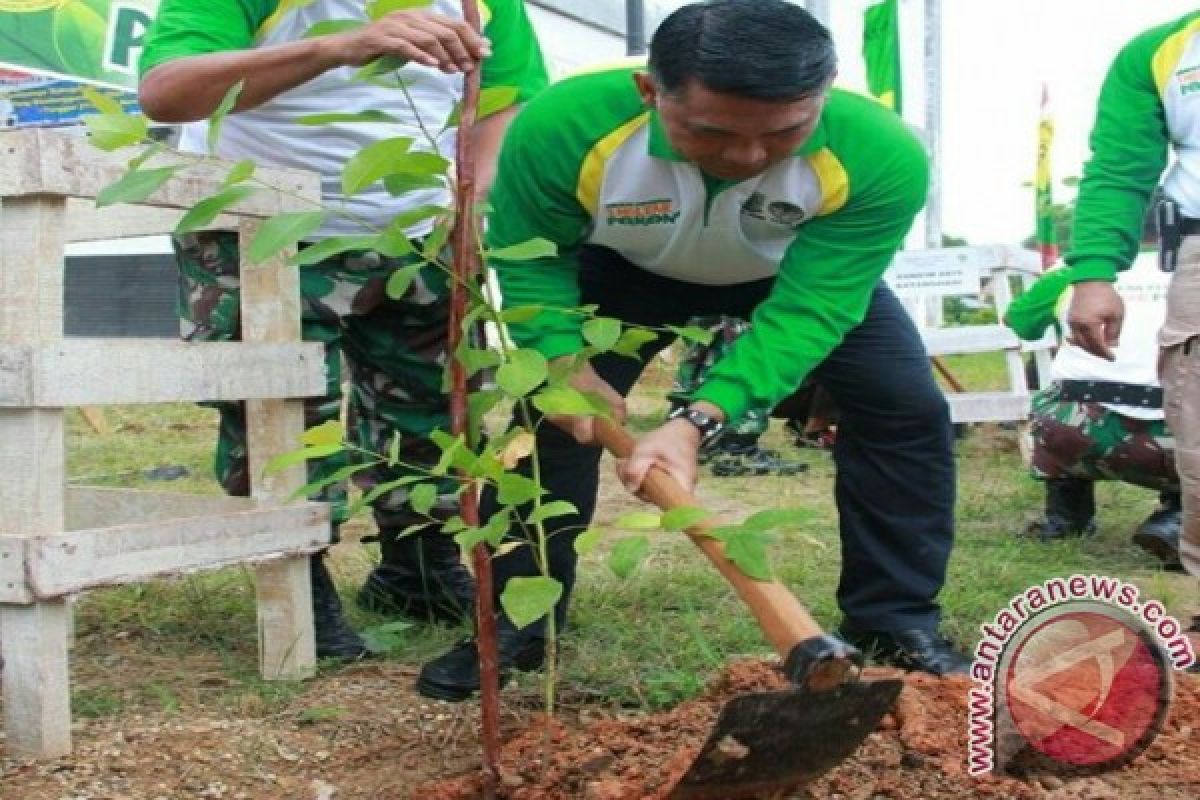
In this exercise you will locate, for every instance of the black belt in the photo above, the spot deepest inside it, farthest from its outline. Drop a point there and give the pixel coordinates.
(1121, 394)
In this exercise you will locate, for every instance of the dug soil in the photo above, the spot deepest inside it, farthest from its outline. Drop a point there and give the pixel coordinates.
(919, 752)
(360, 732)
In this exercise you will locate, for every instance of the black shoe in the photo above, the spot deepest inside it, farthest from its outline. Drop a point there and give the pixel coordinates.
(917, 649)
(755, 461)
(454, 676)
(335, 638)
(1053, 528)
(1194, 628)
(421, 576)
(1158, 535)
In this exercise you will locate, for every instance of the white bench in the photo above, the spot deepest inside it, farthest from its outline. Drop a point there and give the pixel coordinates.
(56, 542)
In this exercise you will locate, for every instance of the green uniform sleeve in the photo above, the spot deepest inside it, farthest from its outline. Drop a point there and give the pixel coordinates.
(1037, 309)
(830, 271)
(516, 59)
(1129, 152)
(188, 28)
(534, 197)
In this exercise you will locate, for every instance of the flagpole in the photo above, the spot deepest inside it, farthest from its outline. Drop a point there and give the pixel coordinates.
(933, 120)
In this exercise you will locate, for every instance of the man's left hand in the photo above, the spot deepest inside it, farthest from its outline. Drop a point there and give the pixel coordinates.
(673, 448)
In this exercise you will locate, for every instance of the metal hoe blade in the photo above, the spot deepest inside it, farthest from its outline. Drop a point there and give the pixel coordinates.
(770, 741)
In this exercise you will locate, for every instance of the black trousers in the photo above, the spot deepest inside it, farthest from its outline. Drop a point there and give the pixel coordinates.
(895, 467)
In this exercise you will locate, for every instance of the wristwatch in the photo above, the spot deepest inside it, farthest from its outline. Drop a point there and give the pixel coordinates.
(710, 428)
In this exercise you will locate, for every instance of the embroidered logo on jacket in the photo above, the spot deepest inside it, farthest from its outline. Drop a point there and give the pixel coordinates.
(651, 212)
(1189, 80)
(777, 212)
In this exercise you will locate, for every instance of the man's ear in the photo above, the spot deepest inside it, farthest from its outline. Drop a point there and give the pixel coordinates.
(647, 88)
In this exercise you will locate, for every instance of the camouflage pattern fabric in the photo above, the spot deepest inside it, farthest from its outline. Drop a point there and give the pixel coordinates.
(1086, 440)
(698, 360)
(394, 351)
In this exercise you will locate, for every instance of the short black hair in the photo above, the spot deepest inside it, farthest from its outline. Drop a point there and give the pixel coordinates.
(761, 49)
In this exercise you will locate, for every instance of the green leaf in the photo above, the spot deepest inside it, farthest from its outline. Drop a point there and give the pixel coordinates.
(377, 9)
(281, 232)
(399, 281)
(104, 103)
(386, 638)
(564, 400)
(329, 432)
(456, 454)
(404, 183)
(372, 163)
(474, 359)
(526, 600)
(778, 518)
(681, 518)
(555, 508)
(480, 403)
(135, 185)
(218, 117)
(239, 172)
(436, 241)
(330, 26)
(285, 460)
(345, 116)
(602, 332)
(520, 314)
(207, 209)
(327, 248)
(422, 497)
(631, 341)
(515, 490)
(525, 251)
(524, 371)
(406, 219)
(640, 521)
(748, 550)
(337, 476)
(150, 151)
(491, 100)
(588, 541)
(394, 242)
(321, 713)
(692, 333)
(420, 163)
(114, 131)
(380, 66)
(492, 533)
(628, 554)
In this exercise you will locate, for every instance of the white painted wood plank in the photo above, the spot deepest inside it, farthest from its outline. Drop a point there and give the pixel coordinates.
(36, 162)
(86, 223)
(969, 339)
(271, 313)
(83, 559)
(37, 695)
(988, 406)
(79, 372)
(13, 587)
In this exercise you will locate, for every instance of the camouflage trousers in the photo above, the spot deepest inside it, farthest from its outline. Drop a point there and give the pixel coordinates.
(388, 353)
(699, 358)
(1088, 441)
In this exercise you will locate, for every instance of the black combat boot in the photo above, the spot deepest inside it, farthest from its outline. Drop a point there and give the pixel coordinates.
(1070, 510)
(335, 638)
(420, 576)
(1158, 534)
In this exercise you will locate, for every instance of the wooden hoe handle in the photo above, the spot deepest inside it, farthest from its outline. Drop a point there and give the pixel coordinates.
(783, 620)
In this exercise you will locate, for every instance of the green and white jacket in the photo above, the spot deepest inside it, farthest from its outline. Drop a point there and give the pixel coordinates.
(1149, 105)
(586, 163)
(270, 134)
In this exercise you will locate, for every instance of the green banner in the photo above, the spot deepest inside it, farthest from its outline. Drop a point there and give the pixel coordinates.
(881, 50)
(98, 41)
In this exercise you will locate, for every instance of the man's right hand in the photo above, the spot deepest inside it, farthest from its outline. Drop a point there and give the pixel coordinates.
(1094, 317)
(583, 428)
(420, 36)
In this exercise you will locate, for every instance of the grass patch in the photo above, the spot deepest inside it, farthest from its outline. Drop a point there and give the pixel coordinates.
(647, 641)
